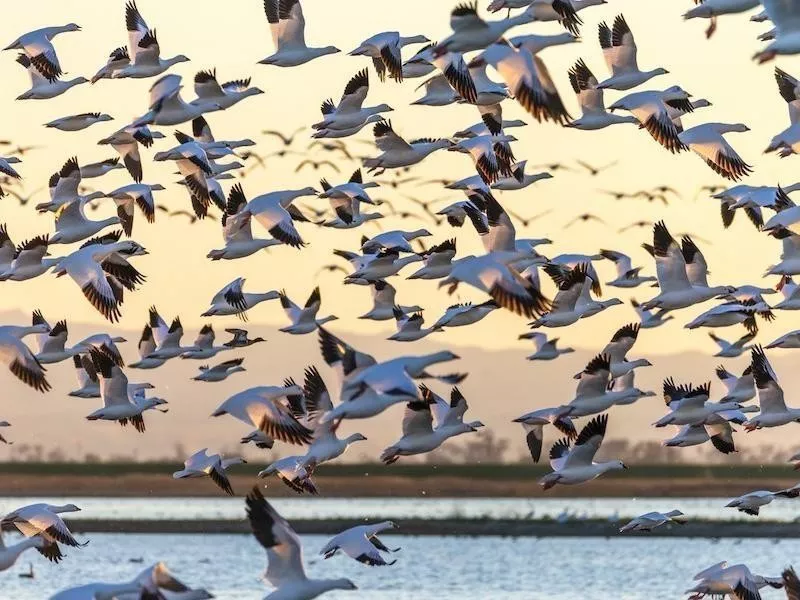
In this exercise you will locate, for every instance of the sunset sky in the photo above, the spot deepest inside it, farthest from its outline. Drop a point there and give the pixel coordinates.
(232, 37)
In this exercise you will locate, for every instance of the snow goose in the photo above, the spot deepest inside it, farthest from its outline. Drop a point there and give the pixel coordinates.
(534, 422)
(774, 411)
(42, 87)
(259, 439)
(350, 113)
(467, 313)
(237, 231)
(490, 153)
(326, 446)
(419, 434)
(396, 152)
(232, 300)
(420, 65)
(393, 240)
(275, 212)
(720, 435)
(528, 80)
(651, 110)
(791, 294)
(147, 345)
(167, 107)
(138, 194)
(751, 503)
(71, 223)
(240, 339)
(617, 349)
(203, 346)
(120, 401)
(570, 284)
(37, 46)
(651, 520)
(690, 406)
(143, 48)
(438, 92)
(731, 313)
(732, 349)
(783, 14)
(677, 291)
(117, 60)
(287, 25)
(101, 269)
(261, 407)
(30, 260)
(546, 349)
(738, 389)
(595, 394)
(78, 122)
(284, 553)
(296, 477)
(210, 92)
(711, 9)
(43, 521)
(87, 378)
(98, 169)
(221, 371)
(63, 186)
(438, 261)
(519, 179)
(619, 51)
(471, 32)
(482, 129)
(385, 51)
(381, 265)
(168, 343)
(627, 276)
(575, 464)
(736, 580)
(213, 466)
(361, 543)
(409, 327)
(346, 198)
(384, 302)
(51, 344)
(126, 142)
(304, 320)
(195, 168)
(20, 360)
(10, 554)
(708, 142)
(492, 274)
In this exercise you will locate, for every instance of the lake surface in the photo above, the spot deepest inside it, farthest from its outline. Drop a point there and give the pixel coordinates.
(407, 508)
(444, 568)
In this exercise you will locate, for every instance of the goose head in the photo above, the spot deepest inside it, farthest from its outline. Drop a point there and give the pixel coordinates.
(178, 59)
(131, 248)
(69, 27)
(356, 437)
(734, 128)
(65, 508)
(343, 584)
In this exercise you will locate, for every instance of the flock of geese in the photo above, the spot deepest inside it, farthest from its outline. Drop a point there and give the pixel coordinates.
(99, 257)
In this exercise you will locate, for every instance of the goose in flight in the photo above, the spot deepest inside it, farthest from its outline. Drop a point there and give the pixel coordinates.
(72, 224)
(221, 371)
(652, 110)
(43, 521)
(287, 25)
(42, 87)
(438, 261)
(237, 231)
(285, 569)
(563, 309)
(707, 141)
(135, 194)
(289, 471)
(396, 152)
(619, 51)
(346, 198)
(545, 349)
(117, 60)
(263, 408)
(651, 520)
(5, 441)
(78, 122)
(466, 313)
(534, 423)
(574, 464)
(689, 405)
(732, 349)
(783, 14)
(30, 259)
(51, 345)
(349, 113)
(203, 346)
(419, 434)
(438, 92)
(738, 389)
(304, 320)
(143, 50)
(774, 411)
(384, 302)
(38, 47)
(617, 350)
(394, 240)
(719, 434)
(385, 51)
(361, 543)
(410, 326)
(233, 300)
(276, 213)
(213, 466)
(87, 377)
(19, 359)
(98, 169)
(649, 319)
(731, 313)
(241, 338)
(519, 179)
(627, 276)
(167, 107)
(210, 92)
(126, 142)
(733, 580)
(101, 269)
(490, 153)
(148, 344)
(751, 503)
(471, 32)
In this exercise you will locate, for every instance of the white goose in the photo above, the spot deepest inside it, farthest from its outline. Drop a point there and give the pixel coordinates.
(395, 240)
(651, 109)
(751, 503)
(144, 48)
(304, 320)
(87, 378)
(147, 345)
(167, 107)
(78, 122)
(651, 520)
(284, 554)
(438, 92)
(29, 260)
(203, 346)
(519, 179)
(783, 14)
(38, 48)
(19, 359)
(237, 231)
(98, 169)
(212, 93)
(575, 464)
(232, 300)
(287, 25)
(117, 60)
(138, 194)
(384, 302)
(563, 309)
(732, 349)
(467, 313)
(213, 466)
(419, 434)
(51, 345)
(627, 276)
(350, 113)
(619, 51)
(774, 411)
(43, 88)
(590, 97)
(292, 474)
(396, 152)
(126, 142)
(221, 371)
(438, 261)
(719, 434)
(346, 198)
(707, 141)
(546, 349)
(410, 327)
(738, 389)
(490, 153)
(361, 543)
(471, 32)
(381, 265)
(385, 51)
(42, 521)
(275, 212)
(71, 223)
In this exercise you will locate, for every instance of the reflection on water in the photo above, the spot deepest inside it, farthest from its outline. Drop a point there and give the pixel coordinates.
(445, 568)
(406, 508)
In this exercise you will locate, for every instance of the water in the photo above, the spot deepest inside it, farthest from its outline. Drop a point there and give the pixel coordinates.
(407, 508)
(445, 568)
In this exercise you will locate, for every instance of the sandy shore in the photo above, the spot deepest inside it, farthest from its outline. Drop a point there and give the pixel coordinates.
(150, 484)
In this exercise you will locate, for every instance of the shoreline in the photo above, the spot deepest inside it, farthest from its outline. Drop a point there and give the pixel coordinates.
(454, 527)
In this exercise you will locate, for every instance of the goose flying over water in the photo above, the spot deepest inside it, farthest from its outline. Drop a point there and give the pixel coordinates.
(361, 543)
(213, 466)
